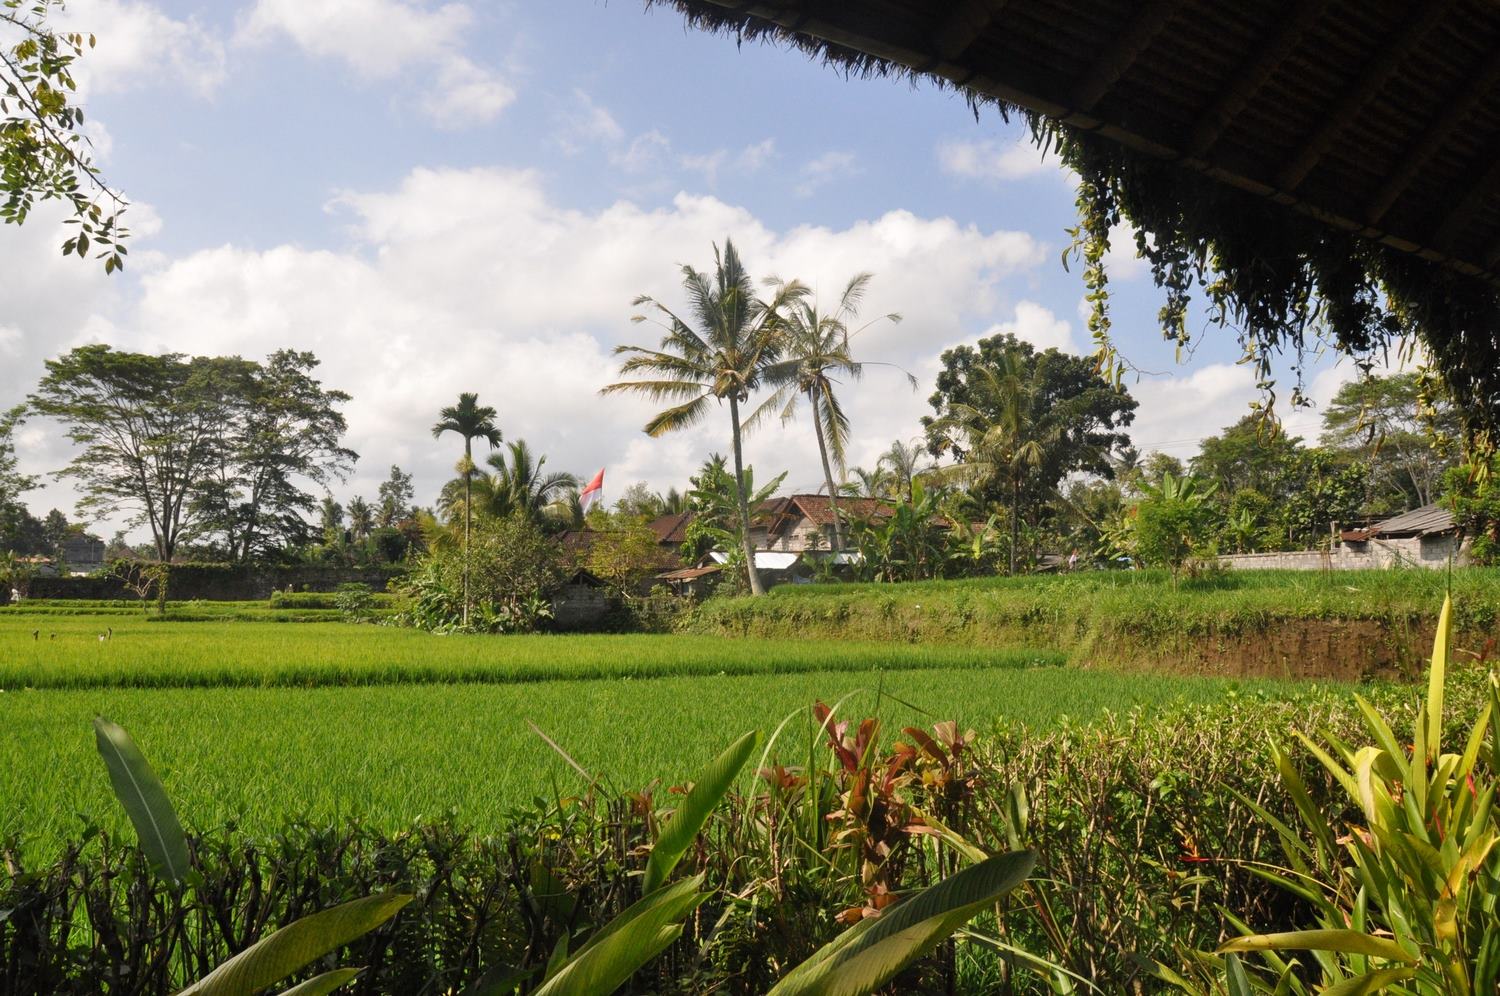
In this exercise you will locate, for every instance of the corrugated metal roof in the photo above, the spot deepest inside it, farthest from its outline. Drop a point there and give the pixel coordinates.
(1432, 518)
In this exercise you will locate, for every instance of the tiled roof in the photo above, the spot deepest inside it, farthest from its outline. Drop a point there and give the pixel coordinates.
(671, 529)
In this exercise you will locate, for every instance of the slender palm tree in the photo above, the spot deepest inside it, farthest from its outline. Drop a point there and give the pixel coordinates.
(472, 421)
(903, 463)
(868, 483)
(1001, 434)
(815, 351)
(361, 518)
(721, 357)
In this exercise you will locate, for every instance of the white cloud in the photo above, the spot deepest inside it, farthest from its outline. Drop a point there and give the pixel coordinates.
(828, 167)
(994, 160)
(384, 39)
(652, 155)
(584, 121)
(1037, 325)
(753, 157)
(1176, 412)
(138, 44)
(478, 280)
(465, 94)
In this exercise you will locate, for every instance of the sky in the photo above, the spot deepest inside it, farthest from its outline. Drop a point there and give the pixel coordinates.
(446, 197)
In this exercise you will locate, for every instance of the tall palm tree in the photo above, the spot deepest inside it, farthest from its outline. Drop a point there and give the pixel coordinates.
(472, 421)
(737, 336)
(1001, 434)
(815, 351)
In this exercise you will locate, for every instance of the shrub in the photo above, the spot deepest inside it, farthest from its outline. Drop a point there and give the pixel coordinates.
(355, 601)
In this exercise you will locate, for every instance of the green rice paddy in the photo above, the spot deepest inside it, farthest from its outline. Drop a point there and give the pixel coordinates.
(254, 724)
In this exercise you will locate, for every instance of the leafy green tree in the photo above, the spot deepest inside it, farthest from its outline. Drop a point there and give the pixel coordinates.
(737, 336)
(624, 552)
(1019, 422)
(514, 567)
(909, 544)
(816, 352)
(1327, 491)
(43, 152)
(1472, 490)
(18, 528)
(639, 501)
(1173, 521)
(395, 499)
(470, 420)
(283, 431)
(149, 429)
(1253, 453)
(1404, 429)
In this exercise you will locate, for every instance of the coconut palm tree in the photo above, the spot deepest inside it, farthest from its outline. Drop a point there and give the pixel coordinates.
(472, 421)
(361, 518)
(518, 484)
(867, 483)
(815, 351)
(720, 357)
(903, 463)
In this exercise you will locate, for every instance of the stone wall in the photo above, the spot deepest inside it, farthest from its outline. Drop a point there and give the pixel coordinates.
(1425, 551)
(220, 582)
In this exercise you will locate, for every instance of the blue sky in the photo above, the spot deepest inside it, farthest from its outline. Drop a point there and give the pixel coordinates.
(445, 197)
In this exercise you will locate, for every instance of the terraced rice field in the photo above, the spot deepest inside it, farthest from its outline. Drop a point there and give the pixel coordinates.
(258, 723)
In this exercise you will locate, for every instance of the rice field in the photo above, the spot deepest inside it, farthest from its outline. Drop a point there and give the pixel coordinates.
(257, 724)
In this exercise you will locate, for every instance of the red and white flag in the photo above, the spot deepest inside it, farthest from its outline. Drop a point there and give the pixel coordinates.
(592, 492)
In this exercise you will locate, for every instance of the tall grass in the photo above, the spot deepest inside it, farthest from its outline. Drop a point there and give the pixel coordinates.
(68, 653)
(258, 757)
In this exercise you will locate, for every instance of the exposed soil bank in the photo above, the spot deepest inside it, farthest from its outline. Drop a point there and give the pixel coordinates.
(1345, 631)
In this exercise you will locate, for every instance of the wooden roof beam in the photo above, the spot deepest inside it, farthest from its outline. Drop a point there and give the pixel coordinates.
(1371, 79)
(962, 27)
(1118, 57)
(1452, 225)
(1251, 75)
(1457, 109)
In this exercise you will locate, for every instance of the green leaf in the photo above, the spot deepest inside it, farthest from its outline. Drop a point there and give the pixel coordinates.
(320, 985)
(626, 943)
(296, 945)
(145, 800)
(1343, 941)
(869, 954)
(1437, 675)
(1371, 982)
(1234, 974)
(706, 794)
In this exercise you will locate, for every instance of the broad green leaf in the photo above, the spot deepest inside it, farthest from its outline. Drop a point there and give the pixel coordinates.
(1371, 982)
(321, 985)
(1342, 941)
(626, 943)
(1438, 675)
(296, 945)
(706, 794)
(145, 800)
(867, 955)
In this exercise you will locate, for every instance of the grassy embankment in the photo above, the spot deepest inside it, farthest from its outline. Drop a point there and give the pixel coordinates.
(1346, 624)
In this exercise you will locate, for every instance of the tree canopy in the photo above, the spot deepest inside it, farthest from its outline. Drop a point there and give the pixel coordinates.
(196, 446)
(43, 152)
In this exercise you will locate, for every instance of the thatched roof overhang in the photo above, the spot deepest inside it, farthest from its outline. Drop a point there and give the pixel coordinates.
(1294, 160)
